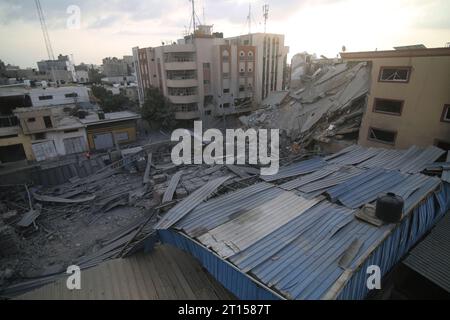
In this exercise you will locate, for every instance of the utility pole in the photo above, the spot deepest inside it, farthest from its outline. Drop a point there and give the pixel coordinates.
(266, 16)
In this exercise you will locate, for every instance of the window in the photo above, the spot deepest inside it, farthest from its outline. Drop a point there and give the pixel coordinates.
(226, 90)
(395, 74)
(206, 65)
(71, 95)
(226, 75)
(241, 88)
(208, 112)
(48, 122)
(388, 106)
(206, 82)
(42, 98)
(382, 136)
(71, 131)
(40, 136)
(226, 105)
(31, 120)
(446, 113)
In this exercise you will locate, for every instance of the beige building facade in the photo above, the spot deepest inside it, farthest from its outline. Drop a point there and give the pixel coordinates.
(409, 100)
(208, 75)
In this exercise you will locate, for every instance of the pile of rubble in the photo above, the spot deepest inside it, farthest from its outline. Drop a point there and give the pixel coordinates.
(330, 105)
(86, 221)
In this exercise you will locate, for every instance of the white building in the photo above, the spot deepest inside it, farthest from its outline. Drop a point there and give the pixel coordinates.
(51, 96)
(205, 74)
(62, 70)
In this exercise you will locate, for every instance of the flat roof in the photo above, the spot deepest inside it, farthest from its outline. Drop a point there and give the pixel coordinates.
(166, 273)
(110, 117)
(432, 52)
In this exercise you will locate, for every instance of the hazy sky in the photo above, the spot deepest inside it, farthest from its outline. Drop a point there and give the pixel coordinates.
(113, 27)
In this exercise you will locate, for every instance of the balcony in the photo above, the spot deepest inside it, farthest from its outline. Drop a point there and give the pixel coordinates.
(188, 115)
(179, 48)
(182, 83)
(183, 99)
(181, 65)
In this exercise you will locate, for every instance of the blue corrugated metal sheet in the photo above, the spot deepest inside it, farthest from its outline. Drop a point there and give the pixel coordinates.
(297, 169)
(394, 245)
(366, 187)
(342, 175)
(193, 200)
(356, 156)
(446, 172)
(298, 258)
(413, 160)
(217, 211)
(309, 178)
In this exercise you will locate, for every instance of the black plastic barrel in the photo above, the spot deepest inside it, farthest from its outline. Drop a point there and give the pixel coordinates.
(389, 208)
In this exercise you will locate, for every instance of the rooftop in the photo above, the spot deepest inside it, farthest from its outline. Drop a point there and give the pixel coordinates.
(399, 53)
(165, 274)
(300, 234)
(110, 117)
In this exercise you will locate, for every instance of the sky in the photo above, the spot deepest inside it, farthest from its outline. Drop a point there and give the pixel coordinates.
(113, 27)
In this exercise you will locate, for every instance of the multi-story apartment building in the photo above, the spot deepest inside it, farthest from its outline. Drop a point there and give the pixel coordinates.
(113, 67)
(62, 70)
(409, 100)
(206, 75)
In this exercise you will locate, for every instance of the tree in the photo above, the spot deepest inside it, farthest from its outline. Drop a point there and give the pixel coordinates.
(110, 102)
(157, 110)
(95, 76)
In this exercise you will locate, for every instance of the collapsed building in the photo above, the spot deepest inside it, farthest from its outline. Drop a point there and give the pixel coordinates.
(326, 110)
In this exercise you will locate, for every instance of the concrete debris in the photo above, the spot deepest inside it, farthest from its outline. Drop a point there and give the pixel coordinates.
(42, 198)
(331, 103)
(106, 215)
(30, 217)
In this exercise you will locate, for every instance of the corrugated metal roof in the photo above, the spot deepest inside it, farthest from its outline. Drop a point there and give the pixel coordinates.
(354, 195)
(418, 164)
(340, 176)
(173, 184)
(431, 257)
(413, 160)
(189, 203)
(165, 274)
(249, 227)
(293, 244)
(446, 173)
(309, 178)
(356, 156)
(297, 169)
(217, 211)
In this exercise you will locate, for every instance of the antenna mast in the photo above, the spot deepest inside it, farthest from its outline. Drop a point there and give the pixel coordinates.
(249, 18)
(193, 16)
(266, 16)
(48, 44)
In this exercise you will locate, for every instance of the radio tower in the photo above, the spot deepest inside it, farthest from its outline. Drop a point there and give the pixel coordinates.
(48, 43)
(266, 16)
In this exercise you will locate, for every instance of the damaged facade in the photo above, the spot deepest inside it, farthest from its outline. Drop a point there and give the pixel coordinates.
(409, 100)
